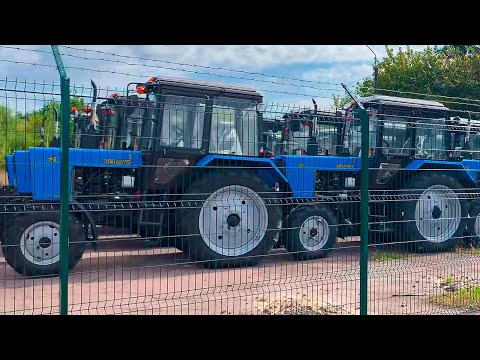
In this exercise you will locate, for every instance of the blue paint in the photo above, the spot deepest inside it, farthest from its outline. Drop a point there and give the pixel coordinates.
(471, 167)
(22, 175)
(300, 170)
(43, 166)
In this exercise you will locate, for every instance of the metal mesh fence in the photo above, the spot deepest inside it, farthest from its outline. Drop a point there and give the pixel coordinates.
(189, 197)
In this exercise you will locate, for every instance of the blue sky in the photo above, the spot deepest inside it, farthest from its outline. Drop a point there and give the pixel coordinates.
(322, 66)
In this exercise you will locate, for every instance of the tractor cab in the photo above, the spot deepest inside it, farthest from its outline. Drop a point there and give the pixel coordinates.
(176, 122)
(401, 130)
(309, 132)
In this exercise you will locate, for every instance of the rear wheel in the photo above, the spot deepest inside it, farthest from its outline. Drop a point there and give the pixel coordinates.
(312, 232)
(32, 243)
(231, 224)
(436, 218)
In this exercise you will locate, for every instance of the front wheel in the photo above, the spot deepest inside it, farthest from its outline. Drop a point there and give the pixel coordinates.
(230, 222)
(312, 232)
(32, 243)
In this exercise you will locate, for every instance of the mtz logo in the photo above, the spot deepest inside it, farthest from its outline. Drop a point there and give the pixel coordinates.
(118, 162)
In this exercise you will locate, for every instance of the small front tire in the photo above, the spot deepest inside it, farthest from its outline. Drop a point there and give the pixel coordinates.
(312, 232)
(32, 243)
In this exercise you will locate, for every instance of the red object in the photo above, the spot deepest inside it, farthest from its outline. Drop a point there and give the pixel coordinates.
(87, 109)
(74, 110)
(114, 95)
(141, 89)
(261, 151)
(137, 194)
(107, 112)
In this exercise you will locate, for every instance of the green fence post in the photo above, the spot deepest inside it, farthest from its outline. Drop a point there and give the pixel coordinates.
(364, 213)
(64, 180)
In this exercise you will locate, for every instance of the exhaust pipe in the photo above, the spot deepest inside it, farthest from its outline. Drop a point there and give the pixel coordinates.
(93, 118)
(55, 142)
(55, 124)
(42, 131)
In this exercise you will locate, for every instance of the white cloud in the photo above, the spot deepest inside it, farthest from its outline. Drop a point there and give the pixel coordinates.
(325, 63)
(339, 73)
(248, 57)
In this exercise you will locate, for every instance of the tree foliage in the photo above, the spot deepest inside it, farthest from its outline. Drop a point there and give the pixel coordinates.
(433, 73)
(20, 131)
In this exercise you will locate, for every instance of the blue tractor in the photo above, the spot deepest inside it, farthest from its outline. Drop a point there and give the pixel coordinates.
(197, 162)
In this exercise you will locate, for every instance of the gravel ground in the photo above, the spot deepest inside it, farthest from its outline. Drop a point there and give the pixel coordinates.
(161, 281)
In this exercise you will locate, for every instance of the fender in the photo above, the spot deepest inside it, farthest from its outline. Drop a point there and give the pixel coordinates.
(266, 161)
(84, 213)
(469, 167)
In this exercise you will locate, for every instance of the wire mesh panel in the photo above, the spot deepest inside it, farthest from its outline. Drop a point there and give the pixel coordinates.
(423, 258)
(207, 226)
(29, 229)
(195, 197)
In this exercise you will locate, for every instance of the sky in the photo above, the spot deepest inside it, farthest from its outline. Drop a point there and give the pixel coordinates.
(312, 70)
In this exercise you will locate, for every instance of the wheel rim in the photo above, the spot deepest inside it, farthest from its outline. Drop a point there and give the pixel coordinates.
(40, 243)
(233, 220)
(477, 225)
(438, 213)
(314, 233)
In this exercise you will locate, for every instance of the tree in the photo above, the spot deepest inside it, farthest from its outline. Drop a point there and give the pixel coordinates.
(453, 71)
(23, 130)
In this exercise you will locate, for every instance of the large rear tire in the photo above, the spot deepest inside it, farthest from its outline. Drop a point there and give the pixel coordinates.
(229, 223)
(435, 219)
(32, 243)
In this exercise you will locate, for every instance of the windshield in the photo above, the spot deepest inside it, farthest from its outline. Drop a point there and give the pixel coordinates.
(182, 124)
(234, 127)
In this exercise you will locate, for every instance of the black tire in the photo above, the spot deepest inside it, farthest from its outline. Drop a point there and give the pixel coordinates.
(297, 218)
(409, 230)
(473, 237)
(18, 224)
(189, 219)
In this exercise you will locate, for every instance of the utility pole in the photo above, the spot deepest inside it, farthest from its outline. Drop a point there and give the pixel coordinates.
(375, 68)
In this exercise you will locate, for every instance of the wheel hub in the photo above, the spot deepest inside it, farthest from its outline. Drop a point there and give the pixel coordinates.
(436, 213)
(233, 220)
(45, 242)
(313, 232)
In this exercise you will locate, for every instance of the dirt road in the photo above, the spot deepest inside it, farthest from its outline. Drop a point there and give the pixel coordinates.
(161, 281)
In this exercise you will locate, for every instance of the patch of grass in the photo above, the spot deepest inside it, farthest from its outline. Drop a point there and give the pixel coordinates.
(471, 250)
(463, 298)
(385, 256)
(448, 280)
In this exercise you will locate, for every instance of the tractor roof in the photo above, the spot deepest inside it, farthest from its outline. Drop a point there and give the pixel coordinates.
(215, 87)
(403, 102)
